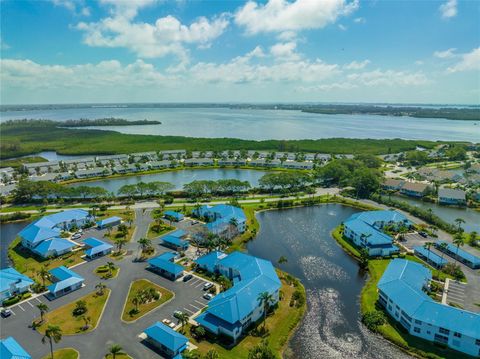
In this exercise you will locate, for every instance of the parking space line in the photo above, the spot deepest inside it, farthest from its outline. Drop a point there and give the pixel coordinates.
(20, 307)
(188, 310)
(30, 304)
(195, 282)
(197, 308)
(202, 304)
(199, 285)
(456, 298)
(38, 300)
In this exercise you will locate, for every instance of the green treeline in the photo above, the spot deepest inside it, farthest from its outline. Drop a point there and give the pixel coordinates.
(32, 136)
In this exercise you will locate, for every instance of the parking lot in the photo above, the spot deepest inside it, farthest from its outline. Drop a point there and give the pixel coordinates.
(456, 293)
(26, 311)
(414, 239)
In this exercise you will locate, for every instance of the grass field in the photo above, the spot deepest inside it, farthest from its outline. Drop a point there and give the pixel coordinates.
(105, 275)
(16, 163)
(143, 309)
(68, 323)
(65, 353)
(28, 263)
(280, 326)
(33, 137)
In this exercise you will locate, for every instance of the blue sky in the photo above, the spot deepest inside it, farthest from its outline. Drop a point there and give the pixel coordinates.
(67, 51)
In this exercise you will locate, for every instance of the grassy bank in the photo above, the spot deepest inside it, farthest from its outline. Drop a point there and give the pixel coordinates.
(28, 138)
(66, 353)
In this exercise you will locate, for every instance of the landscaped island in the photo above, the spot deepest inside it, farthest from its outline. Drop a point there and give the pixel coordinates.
(111, 121)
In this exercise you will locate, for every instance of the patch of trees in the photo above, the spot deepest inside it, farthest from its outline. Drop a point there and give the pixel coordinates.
(110, 121)
(203, 188)
(362, 173)
(284, 182)
(141, 189)
(29, 191)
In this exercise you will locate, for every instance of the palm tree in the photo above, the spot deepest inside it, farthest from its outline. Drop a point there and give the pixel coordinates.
(114, 350)
(44, 274)
(233, 223)
(473, 238)
(111, 267)
(43, 308)
(282, 260)
(100, 287)
(427, 246)
(120, 242)
(265, 299)
(443, 247)
(212, 354)
(183, 318)
(459, 222)
(144, 244)
(458, 241)
(53, 333)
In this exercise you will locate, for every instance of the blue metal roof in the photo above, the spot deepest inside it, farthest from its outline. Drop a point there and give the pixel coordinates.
(10, 349)
(433, 257)
(108, 220)
(372, 217)
(178, 233)
(373, 236)
(66, 278)
(174, 240)
(176, 215)
(212, 323)
(96, 246)
(222, 214)
(403, 281)
(9, 276)
(461, 253)
(53, 244)
(255, 276)
(210, 260)
(166, 336)
(43, 228)
(165, 264)
(35, 234)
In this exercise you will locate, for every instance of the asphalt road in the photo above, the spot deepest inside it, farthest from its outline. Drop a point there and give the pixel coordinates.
(111, 329)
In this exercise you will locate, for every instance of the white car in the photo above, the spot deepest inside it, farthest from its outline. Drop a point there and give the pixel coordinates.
(208, 296)
(172, 325)
(166, 321)
(76, 236)
(207, 286)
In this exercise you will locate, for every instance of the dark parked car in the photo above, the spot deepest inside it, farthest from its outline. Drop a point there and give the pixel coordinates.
(6, 312)
(187, 277)
(423, 234)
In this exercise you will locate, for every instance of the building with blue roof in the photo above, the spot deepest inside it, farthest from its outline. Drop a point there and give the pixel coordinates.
(430, 257)
(175, 240)
(173, 216)
(365, 230)
(210, 260)
(459, 254)
(109, 222)
(48, 229)
(96, 248)
(232, 312)
(221, 217)
(11, 349)
(64, 281)
(169, 342)
(164, 265)
(401, 293)
(12, 283)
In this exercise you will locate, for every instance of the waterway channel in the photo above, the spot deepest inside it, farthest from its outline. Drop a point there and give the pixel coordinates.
(331, 327)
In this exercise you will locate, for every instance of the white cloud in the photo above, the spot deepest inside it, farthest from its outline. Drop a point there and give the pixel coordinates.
(287, 36)
(282, 15)
(166, 36)
(77, 7)
(342, 27)
(31, 75)
(360, 20)
(285, 51)
(448, 9)
(469, 62)
(389, 78)
(356, 65)
(447, 54)
(419, 62)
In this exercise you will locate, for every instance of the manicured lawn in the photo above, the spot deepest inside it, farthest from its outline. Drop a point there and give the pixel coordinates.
(105, 275)
(392, 330)
(345, 243)
(164, 228)
(280, 326)
(143, 309)
(70, 324)
(28, 263)
(66, 353)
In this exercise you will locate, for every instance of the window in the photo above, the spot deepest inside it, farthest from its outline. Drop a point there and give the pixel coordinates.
(416, 330)
(441, 339)
(443, 331)
(477, 342)
(389, 307)
(419, 322)
(429, 332)
(457, 335)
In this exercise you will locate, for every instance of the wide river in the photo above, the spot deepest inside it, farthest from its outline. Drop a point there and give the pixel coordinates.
(178, 178)
(265, 124)
(331, 327)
